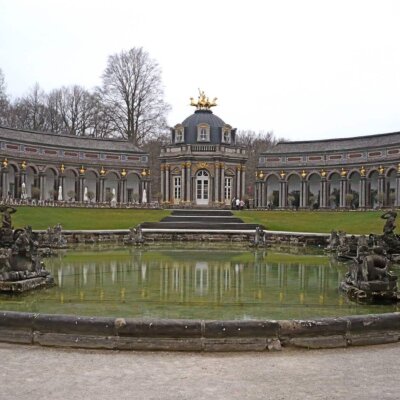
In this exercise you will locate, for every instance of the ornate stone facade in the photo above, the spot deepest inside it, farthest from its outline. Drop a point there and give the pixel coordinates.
(202, 166)
(51, 167)
(359, 172)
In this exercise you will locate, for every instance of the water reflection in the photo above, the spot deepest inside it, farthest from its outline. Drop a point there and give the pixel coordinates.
(192, 284)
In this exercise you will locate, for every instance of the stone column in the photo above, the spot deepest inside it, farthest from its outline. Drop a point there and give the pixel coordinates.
(81, 187)
(243, 183)
(167, 184)
(238, 182)
(323, 190)
(222, 169)
(343, 191)
(257, 189)
(217, 184)
(162, 183)
(4, 182)
(188, 181)
(283, 193)
(122, 190)
(397, 188)
(101, 189)
(183, 183)
(262, 194)
(363, 192)
(304, 193)
(382, 195)
(41, 185)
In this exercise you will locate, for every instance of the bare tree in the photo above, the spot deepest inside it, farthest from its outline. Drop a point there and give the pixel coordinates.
(255, 144)
(30, 111)
(133, 95)
(4, 103)
(76, 108)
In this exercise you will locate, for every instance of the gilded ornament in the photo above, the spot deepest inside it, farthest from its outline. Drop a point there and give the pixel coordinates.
(282, 174)
(102, 171)
(82, 170)
(23, 165)
(123, 173)
(363, 171)
(202, 165)
(62, 168)
(343, 173)
(323, 173)
(381, 170)
(5, 163)
(203, 102)
(303, 174)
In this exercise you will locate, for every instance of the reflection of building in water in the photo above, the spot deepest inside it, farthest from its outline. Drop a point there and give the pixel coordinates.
(201, 277)
(166, 279)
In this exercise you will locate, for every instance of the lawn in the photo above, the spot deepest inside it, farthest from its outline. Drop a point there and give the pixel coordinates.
(353, 222)
(107, 218)
(84, 218)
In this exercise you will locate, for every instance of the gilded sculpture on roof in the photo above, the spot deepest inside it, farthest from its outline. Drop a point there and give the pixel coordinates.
(203, 102)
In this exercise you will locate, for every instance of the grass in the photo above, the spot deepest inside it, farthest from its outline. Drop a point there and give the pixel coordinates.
(84, 218)
(352, 222)
(295, 221)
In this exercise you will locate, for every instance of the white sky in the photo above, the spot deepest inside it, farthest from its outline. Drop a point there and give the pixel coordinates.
(304, 69)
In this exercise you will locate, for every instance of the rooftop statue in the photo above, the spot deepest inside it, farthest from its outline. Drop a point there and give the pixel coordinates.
(203, 102)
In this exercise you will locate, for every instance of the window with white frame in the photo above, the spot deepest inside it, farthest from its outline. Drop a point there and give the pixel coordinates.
(177, 187)
(203, 133)
(178, 135)
(228, 188)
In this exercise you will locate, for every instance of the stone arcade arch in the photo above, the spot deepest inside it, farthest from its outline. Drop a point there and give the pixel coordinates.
(272, 193)
(70, 191)
(314, 190)
(91, 185)
(334, 190)
(132, 188)
(110, 185)
(294, 191)
(50, 189)
(354, 189)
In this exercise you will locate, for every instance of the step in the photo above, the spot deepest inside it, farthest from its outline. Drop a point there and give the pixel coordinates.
(214, 213)
(201, 218)
(198, 225)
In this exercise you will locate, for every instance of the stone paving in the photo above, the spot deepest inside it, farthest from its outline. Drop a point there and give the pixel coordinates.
(30, 372)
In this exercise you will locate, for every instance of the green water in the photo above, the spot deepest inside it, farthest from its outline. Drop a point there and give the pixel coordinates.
(210, 283)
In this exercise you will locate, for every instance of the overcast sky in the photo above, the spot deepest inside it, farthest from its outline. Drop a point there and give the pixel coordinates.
(304, 69)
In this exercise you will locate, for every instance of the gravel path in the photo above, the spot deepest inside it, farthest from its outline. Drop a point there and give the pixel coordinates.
(30, 372)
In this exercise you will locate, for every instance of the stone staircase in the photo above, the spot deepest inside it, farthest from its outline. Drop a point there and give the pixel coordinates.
(188, 224)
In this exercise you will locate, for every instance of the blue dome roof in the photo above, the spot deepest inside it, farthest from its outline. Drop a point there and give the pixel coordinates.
(203, 117)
